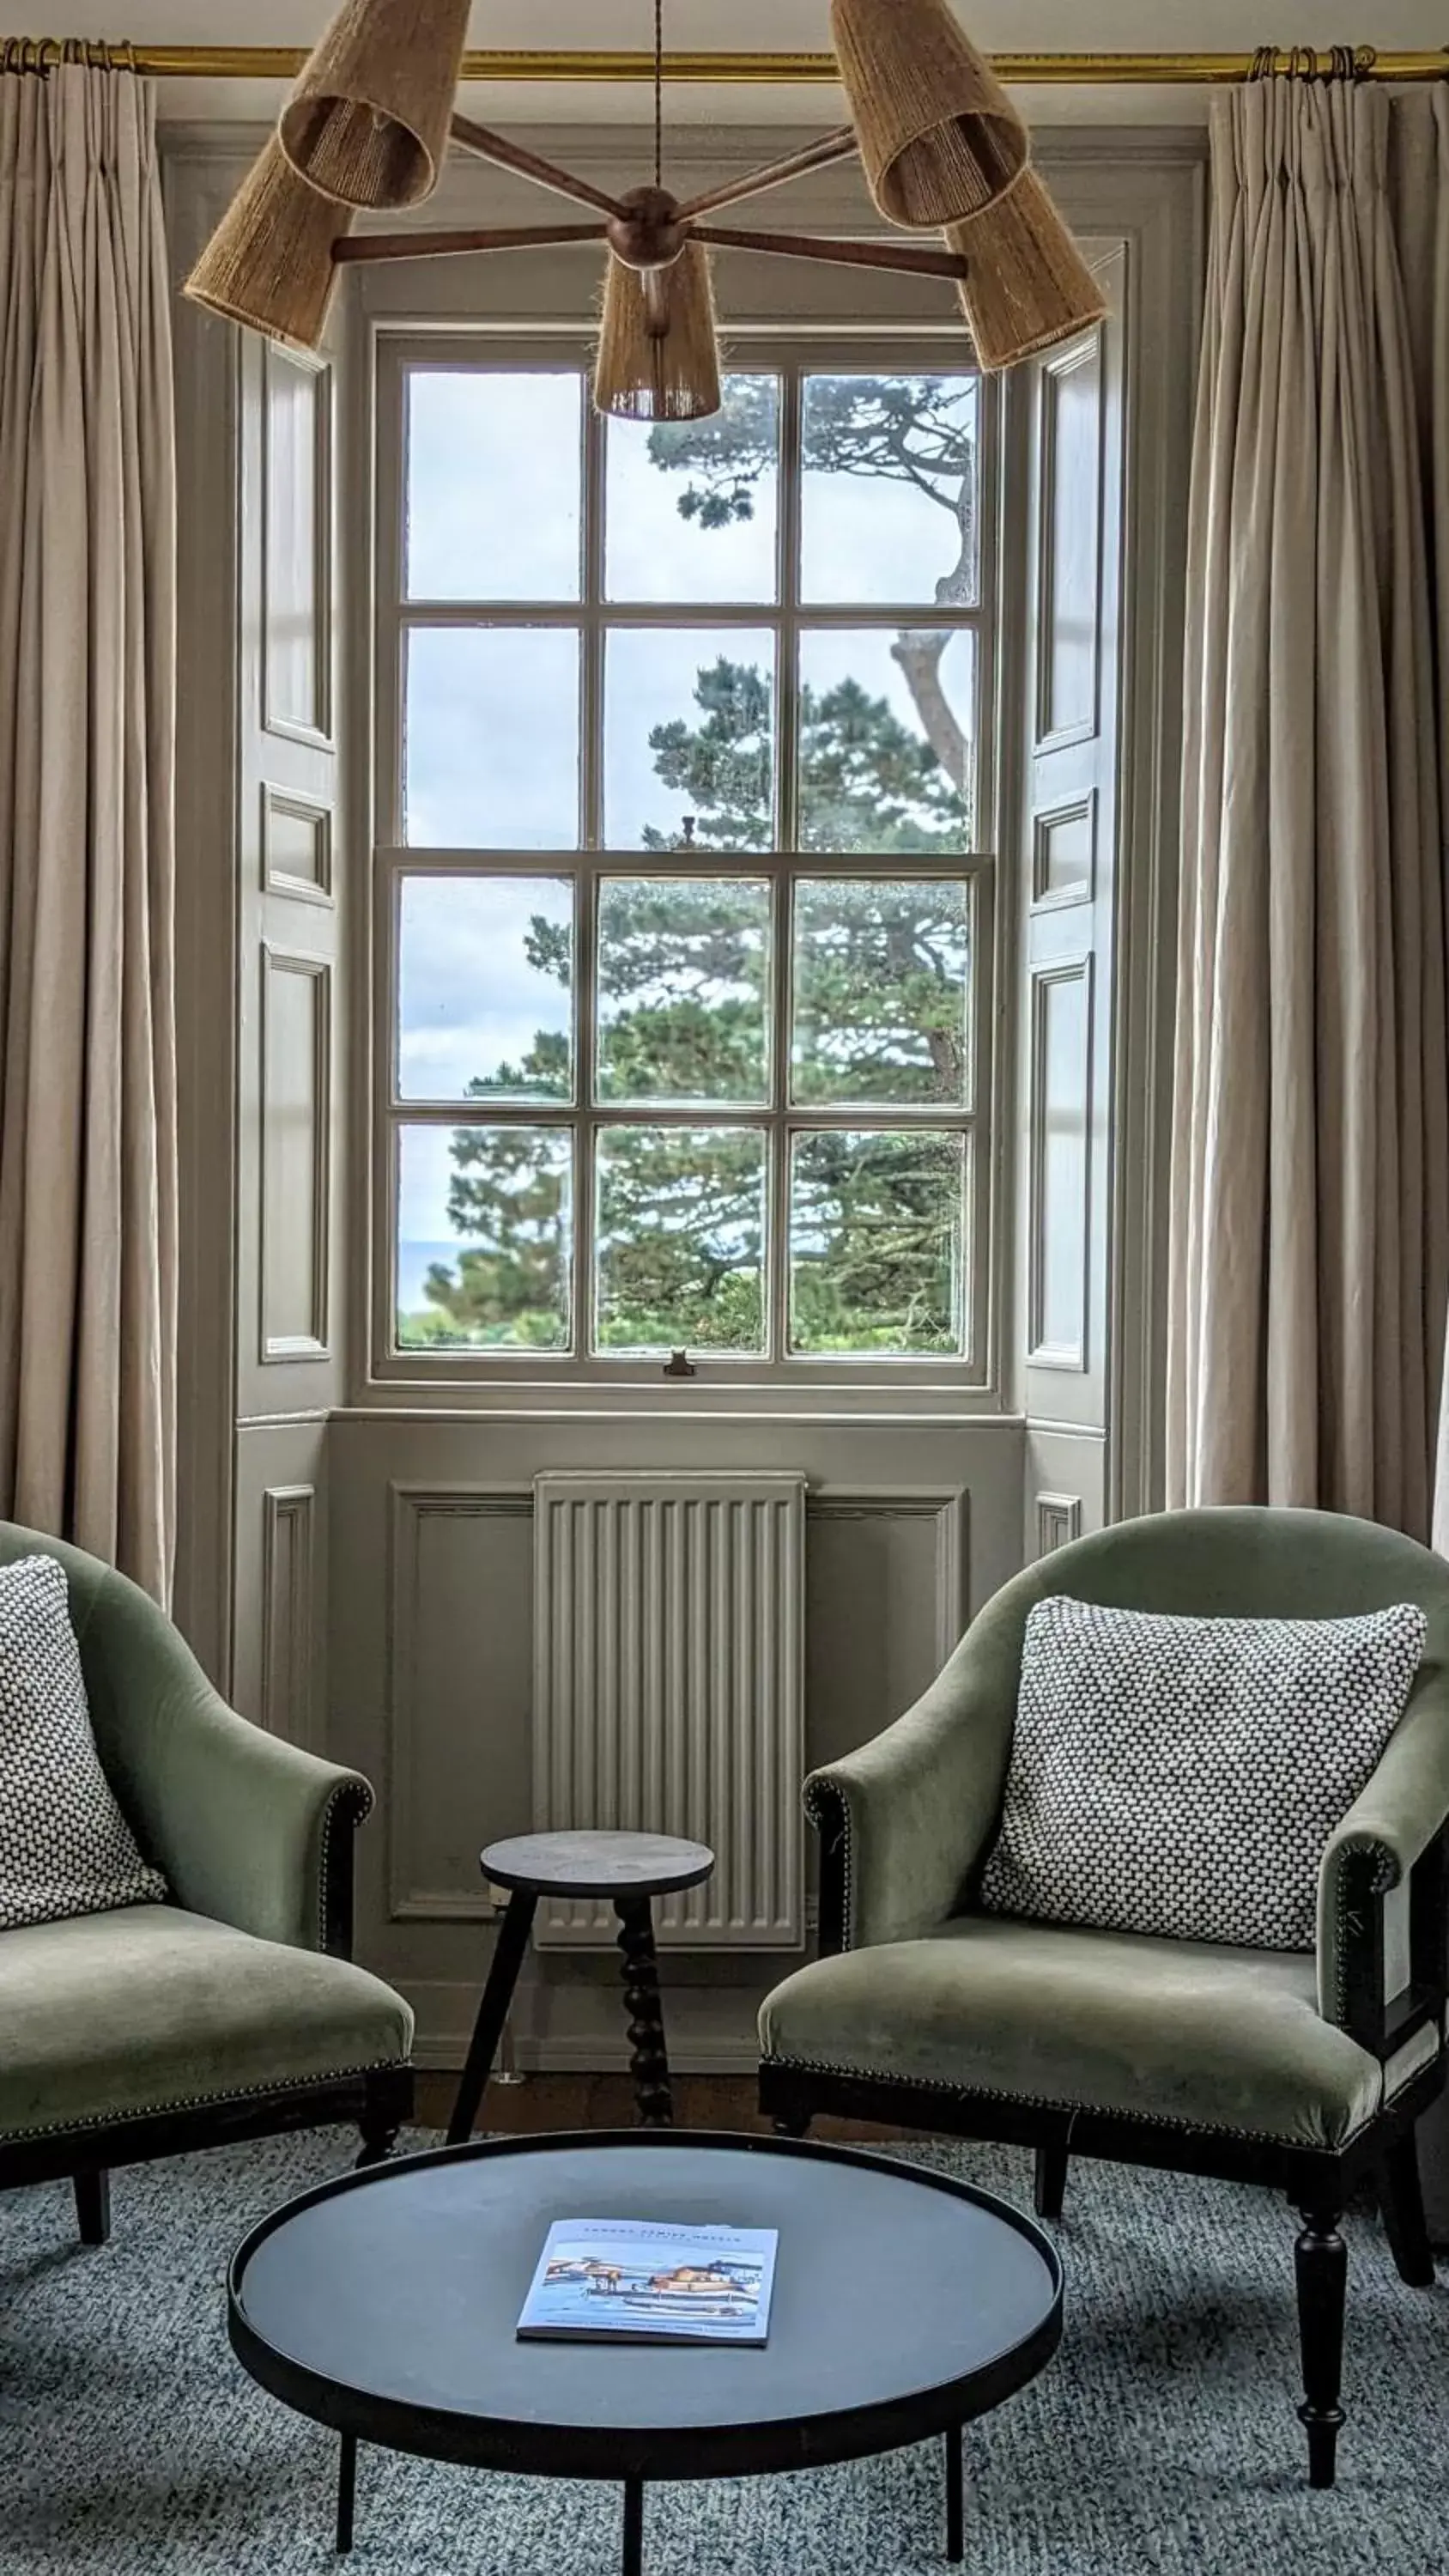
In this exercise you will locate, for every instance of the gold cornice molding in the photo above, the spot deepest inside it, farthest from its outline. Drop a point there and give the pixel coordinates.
(742, 70)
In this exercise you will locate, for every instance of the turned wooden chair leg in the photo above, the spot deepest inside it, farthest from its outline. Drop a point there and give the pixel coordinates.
(1321, 2262)
(1401, 2200)
(93, 2207)
(1051, 2179)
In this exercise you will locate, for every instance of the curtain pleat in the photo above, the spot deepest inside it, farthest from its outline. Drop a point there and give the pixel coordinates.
(87, 709)
(1309, 1224)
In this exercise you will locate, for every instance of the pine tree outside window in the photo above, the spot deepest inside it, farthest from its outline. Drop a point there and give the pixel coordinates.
(686, 870)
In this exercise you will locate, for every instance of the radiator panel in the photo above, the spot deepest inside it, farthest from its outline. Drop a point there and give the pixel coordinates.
(668, 1674)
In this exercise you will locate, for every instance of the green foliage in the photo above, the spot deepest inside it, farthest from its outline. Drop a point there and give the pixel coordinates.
(880, 980)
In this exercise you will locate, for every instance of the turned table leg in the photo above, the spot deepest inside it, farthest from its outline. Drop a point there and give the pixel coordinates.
(649, 2061)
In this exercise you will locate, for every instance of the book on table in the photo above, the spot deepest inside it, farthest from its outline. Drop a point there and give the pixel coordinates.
(636, 2280)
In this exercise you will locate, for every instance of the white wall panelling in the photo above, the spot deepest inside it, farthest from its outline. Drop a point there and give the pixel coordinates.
(296, 547)
(1058, 1519)
(288, 1622)
(1059, 1166)
(295, 1143)
(296, 845)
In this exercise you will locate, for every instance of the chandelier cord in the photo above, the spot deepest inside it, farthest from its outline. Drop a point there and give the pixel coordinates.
(658, 93)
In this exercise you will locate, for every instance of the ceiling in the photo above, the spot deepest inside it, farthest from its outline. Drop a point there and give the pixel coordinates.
(1018, 26)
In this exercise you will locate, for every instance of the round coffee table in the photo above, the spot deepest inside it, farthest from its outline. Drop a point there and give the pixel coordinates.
(385, 2305)
(631, 1870)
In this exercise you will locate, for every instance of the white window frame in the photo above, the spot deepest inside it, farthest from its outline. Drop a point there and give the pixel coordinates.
(529, 1373)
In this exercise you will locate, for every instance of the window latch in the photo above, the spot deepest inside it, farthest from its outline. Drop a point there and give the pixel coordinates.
(679, 1364)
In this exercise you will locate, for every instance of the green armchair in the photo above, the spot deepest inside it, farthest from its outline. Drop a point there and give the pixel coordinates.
(1307, 2072)
(232, 2011)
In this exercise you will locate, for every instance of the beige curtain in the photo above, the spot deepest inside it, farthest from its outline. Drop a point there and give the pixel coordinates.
(87, 672)
(1419, 174)
(1310, 1181)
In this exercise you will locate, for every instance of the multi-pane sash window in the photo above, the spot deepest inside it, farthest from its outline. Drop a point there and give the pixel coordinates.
(686, 869)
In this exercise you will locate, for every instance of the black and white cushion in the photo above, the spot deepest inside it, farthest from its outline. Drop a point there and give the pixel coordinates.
(1182, 1776)
(65, 1847)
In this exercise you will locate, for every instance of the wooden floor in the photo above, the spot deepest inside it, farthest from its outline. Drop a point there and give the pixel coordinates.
(606, 2102)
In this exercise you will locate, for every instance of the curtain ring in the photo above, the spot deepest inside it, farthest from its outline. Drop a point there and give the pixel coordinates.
(1265, 63)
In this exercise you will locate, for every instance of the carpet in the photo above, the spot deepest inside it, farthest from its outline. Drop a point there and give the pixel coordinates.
(1162, 2438)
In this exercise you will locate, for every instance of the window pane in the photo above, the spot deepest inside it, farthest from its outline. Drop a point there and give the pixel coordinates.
(494, 484)
(485, 988)
(689, 739)
(485, 1238)
(882, 977)
(888, 741)
(683, 998)
(877, 1243)
(889, 489)
(681, 1229)
(693, 505)
(491, 748)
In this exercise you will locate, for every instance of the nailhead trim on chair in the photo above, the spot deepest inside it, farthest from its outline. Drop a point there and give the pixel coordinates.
(198, 2102)
(1037, 2102)
(1387, 1875)
(358, 1798)
(817, 1794)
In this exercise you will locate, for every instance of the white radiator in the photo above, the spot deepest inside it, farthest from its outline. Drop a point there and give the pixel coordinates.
(668, 1690)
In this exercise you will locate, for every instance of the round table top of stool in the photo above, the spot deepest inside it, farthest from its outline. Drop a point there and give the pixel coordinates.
(596, 1864)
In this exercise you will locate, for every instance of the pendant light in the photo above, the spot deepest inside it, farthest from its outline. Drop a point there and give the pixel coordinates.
(368, 120)
(939, 137)
(270, 263)
(1027, 286)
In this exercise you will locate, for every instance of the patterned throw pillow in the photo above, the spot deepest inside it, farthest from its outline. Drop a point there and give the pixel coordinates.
(1182, 1776)
(65, 1847)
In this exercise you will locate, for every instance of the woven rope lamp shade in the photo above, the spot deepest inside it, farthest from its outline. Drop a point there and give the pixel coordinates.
(1029, 285)
(368, 120)
(269, 263)
(939, 138)
(643, 371)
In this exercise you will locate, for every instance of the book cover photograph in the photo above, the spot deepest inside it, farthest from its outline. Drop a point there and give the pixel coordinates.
(632, 2280)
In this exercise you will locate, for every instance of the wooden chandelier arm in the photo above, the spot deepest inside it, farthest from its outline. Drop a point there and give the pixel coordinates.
(841, 254)
(365, 246)
(488, 146)
(839, 146)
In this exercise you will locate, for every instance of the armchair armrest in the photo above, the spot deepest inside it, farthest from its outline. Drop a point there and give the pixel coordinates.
(1393, 1833)
(904, 1820)
(247, 1828)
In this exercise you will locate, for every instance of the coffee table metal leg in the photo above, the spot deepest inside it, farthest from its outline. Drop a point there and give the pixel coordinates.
(633, 2527)
(346, 2491)
(649, 2061)
(955, 2495)
(508, 1955)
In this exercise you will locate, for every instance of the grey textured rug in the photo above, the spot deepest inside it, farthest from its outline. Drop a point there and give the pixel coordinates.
(1162, 2438)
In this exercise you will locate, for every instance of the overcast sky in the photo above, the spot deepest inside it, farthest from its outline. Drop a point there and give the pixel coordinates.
(492, 714)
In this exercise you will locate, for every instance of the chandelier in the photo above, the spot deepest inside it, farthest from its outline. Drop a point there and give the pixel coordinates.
(372, 116)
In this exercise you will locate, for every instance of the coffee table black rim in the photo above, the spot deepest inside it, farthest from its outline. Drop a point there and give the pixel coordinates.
(643, 2453)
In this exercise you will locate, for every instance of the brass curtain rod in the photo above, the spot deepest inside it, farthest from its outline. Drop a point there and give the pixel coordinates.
(806, 71)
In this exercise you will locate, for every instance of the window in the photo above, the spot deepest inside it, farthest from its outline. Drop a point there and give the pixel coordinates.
(686, 874)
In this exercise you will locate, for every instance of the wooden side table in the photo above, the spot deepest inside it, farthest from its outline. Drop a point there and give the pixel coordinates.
(632, 1869)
